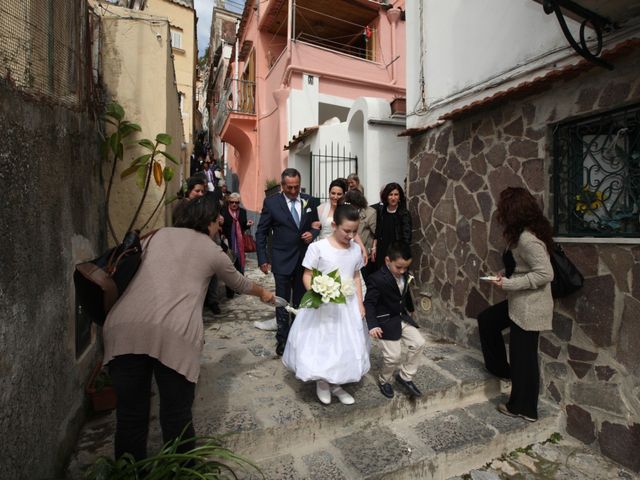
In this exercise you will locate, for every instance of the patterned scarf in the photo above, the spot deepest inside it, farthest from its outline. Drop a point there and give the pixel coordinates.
(237, 241)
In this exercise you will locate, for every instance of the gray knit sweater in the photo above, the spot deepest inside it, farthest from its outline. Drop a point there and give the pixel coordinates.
(529, 288)
(160, 313)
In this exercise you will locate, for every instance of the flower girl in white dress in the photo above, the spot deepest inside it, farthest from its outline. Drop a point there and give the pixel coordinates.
(330, 344)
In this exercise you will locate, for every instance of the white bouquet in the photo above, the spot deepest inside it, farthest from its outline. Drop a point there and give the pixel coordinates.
(329, 288)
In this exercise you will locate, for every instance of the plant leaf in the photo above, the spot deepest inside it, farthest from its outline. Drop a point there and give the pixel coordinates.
(113, 143)
(128, 128)
(167, 173)
(129, 171)
(310, 300)
(146, 143)
(115, 110)
(170, 199)
(141, 177)
(163, 138)
(169, 156)
(141, 160)
(339, 299)
(157, 173)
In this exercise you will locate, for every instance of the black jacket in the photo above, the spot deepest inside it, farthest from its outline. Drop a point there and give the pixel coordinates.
(385, 306)
(228, 221)
(403, 229)
(287, 248)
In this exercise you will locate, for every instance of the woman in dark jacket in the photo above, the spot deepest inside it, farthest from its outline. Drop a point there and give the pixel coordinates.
(393, 222)
(233, 228)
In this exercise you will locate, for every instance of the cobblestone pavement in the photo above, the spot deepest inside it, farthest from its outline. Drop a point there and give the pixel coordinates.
(565, 459)
(244, 387)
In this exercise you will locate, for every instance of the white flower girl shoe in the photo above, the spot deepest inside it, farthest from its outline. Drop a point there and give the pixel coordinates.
(323, 391)
(343, 396)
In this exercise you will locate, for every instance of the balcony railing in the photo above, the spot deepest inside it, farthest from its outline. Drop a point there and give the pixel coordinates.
(239, 96)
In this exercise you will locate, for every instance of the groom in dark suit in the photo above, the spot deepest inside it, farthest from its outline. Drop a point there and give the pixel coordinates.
(288, 216)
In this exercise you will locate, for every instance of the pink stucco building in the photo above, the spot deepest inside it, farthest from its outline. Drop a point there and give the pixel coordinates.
(297, 65)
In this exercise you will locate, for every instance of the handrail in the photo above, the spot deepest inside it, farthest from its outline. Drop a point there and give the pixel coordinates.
(245, 101)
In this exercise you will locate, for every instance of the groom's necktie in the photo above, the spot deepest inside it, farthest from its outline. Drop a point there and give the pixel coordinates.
(294, 212)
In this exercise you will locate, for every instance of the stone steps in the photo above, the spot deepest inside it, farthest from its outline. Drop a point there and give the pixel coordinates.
(265, 414)
(425, 446)
(246, 397)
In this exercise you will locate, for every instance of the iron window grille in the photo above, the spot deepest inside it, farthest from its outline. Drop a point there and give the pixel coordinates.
(597, 175)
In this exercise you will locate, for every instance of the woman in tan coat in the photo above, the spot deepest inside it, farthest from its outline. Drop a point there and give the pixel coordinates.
(529, 305)
(155, 328)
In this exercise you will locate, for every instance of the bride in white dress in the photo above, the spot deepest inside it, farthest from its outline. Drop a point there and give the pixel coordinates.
(330, 344)
(337, 189)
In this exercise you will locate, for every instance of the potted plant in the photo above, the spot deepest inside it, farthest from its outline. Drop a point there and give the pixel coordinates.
(100, 390)
(271, 187)
(208, 460)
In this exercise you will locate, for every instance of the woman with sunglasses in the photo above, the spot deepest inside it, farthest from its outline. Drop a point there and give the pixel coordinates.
(233, 228)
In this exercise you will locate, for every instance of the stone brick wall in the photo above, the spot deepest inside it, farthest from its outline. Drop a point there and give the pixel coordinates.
(50, 216)
(590, 362)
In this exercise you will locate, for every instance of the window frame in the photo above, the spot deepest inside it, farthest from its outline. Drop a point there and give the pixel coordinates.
(178, 34)
(596, 176)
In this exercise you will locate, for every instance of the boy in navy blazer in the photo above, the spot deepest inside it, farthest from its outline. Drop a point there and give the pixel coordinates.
(388, 307)
(288, 216)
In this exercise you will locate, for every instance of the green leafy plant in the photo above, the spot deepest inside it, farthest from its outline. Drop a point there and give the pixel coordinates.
(208, 461)
(146, 166)
(554, 438)
(270, 183)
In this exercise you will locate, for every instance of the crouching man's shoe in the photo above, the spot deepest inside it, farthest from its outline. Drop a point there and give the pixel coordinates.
(409, 385)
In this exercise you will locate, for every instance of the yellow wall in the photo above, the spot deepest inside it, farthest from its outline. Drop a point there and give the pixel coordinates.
(137, 71)
(182, 19)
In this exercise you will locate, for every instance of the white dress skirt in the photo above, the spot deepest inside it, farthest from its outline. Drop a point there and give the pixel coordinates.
(331, 342)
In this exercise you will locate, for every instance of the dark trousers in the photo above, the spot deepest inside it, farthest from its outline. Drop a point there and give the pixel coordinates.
(211, 297)
(131, 375)
(523, 369)
(291, 288)
(238, 265)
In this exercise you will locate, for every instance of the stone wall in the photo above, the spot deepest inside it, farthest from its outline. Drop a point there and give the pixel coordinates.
(590, 362)
(50, 217)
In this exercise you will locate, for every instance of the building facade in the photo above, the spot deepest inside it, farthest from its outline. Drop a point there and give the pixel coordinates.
(51, 217)
(135, 41)
(506, 102)
(224, 25)
(299, 66)
(182, 19)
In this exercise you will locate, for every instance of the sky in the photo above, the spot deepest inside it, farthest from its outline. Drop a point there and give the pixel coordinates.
(204, 9)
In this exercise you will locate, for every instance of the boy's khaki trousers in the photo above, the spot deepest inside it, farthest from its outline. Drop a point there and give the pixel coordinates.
(413, 342)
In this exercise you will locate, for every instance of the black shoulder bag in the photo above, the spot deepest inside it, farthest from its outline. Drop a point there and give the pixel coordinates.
(566, 277)
(101, 281)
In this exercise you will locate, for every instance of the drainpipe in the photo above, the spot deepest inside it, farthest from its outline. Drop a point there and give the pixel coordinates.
(237, 67)
(280, 96)
(393, 14)
(289, 25)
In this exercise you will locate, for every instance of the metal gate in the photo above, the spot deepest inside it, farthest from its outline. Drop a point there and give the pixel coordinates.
(328, 165)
